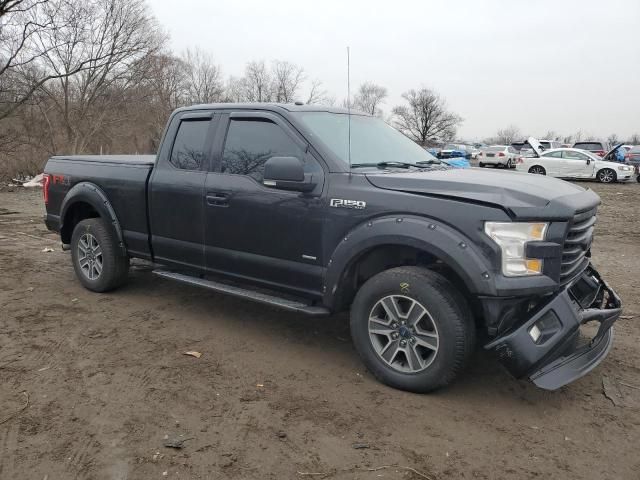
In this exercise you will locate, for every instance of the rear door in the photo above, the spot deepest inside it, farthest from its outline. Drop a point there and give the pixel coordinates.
(553, 163)
(256, 232)
(176, 190)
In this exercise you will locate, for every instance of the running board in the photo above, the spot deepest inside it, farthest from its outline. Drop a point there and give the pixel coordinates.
(272, 300)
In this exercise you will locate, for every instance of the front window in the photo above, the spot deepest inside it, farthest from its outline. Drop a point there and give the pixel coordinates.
(372, 140)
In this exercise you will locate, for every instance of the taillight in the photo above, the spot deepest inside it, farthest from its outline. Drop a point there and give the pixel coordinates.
(501, 154)
(600, 153)
(519, 160)
(46, 181)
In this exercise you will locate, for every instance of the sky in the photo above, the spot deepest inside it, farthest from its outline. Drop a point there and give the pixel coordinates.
(560, 65)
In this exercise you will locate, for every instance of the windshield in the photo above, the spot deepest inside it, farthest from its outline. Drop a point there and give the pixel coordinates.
(372, 140)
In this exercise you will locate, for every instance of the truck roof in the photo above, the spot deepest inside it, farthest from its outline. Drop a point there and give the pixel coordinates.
(289, 107)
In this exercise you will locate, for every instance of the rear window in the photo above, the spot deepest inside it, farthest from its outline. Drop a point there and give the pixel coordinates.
(494, 149)
(635, 149)
(546, 145)
(591, 146)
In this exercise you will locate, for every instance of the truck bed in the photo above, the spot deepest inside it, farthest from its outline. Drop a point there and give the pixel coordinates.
(122, 178)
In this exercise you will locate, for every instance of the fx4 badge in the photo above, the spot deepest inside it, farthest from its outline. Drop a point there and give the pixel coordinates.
(342, 203)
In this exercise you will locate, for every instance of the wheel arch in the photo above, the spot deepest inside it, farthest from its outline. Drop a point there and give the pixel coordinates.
(389, 242)
(87, 200)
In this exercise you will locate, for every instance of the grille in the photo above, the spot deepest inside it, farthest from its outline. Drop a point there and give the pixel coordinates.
(577, 245)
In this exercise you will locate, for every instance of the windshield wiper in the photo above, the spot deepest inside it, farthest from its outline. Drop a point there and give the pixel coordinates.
(429, 162)
(387, 164)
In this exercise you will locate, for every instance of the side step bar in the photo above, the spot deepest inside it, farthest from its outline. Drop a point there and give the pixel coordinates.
(272, 300)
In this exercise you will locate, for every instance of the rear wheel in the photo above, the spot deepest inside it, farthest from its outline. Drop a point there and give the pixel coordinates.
(606, 175)
(509, 164)
(96, 256)
(538, 170)
(412, 328)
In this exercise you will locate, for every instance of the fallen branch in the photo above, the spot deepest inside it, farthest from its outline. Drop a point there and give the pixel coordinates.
(630, 386)
(24, 407)
(409, 469)
(374, 469)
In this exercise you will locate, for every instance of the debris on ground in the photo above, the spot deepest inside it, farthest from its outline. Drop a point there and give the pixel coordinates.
(360, 446)
(193, 354)
(175, 442)
(611, 390)
(34, 181)
(47, 250)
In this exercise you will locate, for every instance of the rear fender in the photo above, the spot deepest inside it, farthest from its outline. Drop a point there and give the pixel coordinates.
(91, 194)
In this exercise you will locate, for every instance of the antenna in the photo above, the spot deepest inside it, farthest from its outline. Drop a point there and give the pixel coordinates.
(349, 105)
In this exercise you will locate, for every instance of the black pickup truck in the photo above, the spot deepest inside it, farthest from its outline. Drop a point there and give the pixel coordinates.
(319, 211)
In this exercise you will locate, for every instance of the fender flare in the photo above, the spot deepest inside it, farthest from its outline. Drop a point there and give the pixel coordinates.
(90, 193)
(440, 240)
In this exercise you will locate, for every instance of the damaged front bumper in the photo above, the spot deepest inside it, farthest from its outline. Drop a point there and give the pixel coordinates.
(545, 347)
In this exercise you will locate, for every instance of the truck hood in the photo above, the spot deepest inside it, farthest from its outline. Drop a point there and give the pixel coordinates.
(509, 190)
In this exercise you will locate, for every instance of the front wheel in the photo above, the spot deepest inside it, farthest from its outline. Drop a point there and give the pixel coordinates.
(412, 328)
(97, 261)
(606, 175)
(538, 170)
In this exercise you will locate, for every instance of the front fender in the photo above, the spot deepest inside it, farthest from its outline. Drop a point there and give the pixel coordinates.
(443, 242)
(92, 194)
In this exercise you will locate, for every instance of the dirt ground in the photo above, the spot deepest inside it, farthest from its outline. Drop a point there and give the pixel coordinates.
(91, 384)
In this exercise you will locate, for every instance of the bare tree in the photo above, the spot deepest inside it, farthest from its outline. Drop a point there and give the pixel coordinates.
(318, 95)
(203, 83)
(506, 136)
(613, 139)
(369, 97)
(96, 55)
(287, 81)
(634, 139)
(426, 119)
(257, 83)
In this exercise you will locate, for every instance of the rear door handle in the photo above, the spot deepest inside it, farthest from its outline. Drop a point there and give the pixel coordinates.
(218, 199)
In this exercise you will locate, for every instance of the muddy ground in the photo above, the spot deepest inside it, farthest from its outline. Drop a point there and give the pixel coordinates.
(278, 395)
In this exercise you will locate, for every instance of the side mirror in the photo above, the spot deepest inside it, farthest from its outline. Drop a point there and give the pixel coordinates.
(287, 173)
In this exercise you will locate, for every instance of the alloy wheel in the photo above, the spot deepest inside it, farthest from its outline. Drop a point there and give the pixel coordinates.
(403, 333)
(90, 256)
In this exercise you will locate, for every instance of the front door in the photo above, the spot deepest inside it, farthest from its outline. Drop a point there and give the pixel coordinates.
(577, 164)
(255, 232)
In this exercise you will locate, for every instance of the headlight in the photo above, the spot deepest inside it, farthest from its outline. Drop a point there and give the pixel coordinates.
(624, 168)
(512, 238)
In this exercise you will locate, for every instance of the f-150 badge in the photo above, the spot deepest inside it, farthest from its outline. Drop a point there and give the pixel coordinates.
(342, 203)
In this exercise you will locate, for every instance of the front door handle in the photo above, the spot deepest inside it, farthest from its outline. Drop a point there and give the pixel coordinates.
(217, 199)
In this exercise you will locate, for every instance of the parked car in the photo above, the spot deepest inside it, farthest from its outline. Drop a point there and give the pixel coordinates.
(263, 202)
(573, 163)
(454, 150)
(498, 156)
(599, 148)
(632, 157)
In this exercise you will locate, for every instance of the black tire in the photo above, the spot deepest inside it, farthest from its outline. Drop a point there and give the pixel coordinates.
(114, 266)
(606, 175)
(447, 310)
(538, 170)
(509, 164)
(481, 165)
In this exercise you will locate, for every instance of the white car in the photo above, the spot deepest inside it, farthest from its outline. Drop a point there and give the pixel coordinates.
(573, 163)
(498, 156)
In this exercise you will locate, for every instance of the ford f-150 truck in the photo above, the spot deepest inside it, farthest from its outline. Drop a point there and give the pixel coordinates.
(318, 211)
